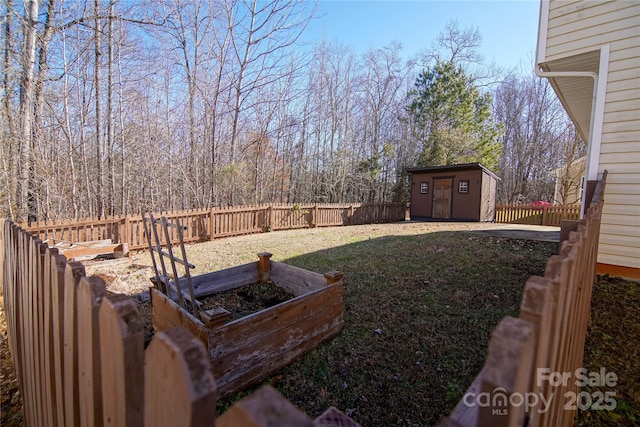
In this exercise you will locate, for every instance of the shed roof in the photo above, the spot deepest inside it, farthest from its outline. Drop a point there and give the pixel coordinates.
(454, 168)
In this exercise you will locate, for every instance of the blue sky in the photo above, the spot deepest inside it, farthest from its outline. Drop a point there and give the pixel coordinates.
(508, 27)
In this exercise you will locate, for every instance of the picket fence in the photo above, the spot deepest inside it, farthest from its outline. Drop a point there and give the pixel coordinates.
(547, 339)
(536, 215)
(79, 354)
(203, 225)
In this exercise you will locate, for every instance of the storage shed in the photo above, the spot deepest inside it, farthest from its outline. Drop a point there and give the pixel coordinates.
(465, 192)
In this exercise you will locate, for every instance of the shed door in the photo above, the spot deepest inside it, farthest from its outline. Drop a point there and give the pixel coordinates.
(442, 198)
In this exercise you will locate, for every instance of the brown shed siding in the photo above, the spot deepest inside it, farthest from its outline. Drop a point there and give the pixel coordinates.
(478, 204)
(421, 204)
(466, 206)
(488, 203)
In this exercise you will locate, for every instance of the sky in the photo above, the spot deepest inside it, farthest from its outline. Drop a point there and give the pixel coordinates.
(509, 28)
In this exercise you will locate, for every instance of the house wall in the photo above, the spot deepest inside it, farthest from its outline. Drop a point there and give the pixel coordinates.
(572, 177)
(464, 206)
(579, 26)
(576, 27)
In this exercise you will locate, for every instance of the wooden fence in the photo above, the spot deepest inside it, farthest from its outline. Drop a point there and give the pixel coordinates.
(79, 354)
(518, 385)
(203, 225)
(536, 215)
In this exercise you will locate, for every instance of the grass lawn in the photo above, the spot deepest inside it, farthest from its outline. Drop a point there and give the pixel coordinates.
(612, 344)
(419, 310)
(421, 300)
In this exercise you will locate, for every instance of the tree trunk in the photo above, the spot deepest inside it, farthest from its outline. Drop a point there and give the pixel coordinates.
(43, 72)
(8, 163)
(98, 105)
(26, 105)
(110, 127)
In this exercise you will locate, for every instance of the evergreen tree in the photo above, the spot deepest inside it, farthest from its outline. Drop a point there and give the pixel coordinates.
(452, 119)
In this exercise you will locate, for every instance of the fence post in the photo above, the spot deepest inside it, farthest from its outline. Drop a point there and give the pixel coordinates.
(211, 216)
(265, 407)
(58, 266)
(270, 220)
(90, 292)
(507, 372)
(122, 367)
(566, 227)
(314, 222)
(178, 384)
(264, 266)
(126, 235)
(333, 277)
(73, 273)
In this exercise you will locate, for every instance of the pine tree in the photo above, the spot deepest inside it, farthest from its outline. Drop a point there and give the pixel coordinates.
(453, 120)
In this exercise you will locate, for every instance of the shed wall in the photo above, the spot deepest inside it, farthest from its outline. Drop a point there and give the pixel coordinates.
(464, 206)
(488, 198)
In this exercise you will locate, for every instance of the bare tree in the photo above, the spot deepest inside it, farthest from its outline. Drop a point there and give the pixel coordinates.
(9, 133)
(109, 113)
(27, 87)
(456, 45)
(461, 47)
(261, 34)
(533, 126)
(97, 77)
(213, 104)
(385, 76)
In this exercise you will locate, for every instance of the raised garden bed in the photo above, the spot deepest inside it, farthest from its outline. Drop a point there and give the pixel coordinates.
(301, 310)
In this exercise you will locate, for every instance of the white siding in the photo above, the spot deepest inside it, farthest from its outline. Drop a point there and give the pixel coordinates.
(579, 26)
(586, 25)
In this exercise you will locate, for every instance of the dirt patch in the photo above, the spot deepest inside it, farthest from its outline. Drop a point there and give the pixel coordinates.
(248, 299)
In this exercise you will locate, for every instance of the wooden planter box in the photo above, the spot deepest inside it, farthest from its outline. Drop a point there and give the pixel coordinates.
(247, 350)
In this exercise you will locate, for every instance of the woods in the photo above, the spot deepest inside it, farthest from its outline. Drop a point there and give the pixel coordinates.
(112, 107)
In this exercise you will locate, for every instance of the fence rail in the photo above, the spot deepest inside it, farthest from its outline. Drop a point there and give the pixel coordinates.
(203, 225)
(547, 339)
(536, 215)
(79, 354)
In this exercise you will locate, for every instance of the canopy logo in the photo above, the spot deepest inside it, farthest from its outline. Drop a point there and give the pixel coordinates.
(499, 400)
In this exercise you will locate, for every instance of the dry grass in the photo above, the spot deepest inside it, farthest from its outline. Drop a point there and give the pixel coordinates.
(420, 302)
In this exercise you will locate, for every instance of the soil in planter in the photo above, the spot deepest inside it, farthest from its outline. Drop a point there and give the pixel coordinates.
(248, 299)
